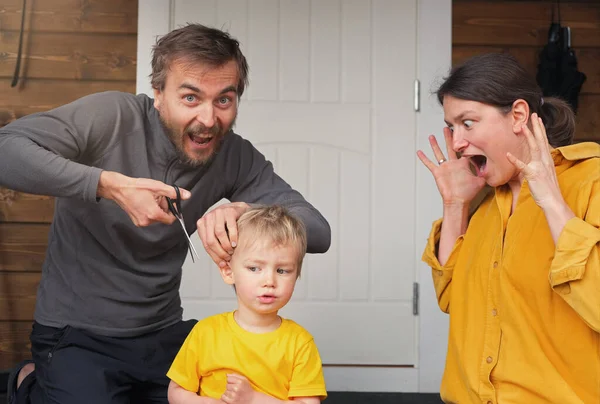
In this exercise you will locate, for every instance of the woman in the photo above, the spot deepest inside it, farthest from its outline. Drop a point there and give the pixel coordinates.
(520, 278)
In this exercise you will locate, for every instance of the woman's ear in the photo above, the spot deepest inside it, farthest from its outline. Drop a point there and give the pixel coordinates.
(227, 274)
(519, 114)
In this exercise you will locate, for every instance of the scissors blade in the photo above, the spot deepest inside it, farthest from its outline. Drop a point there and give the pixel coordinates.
(192, 248)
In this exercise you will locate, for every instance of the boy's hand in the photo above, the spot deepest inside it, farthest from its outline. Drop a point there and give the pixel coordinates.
(238, 391)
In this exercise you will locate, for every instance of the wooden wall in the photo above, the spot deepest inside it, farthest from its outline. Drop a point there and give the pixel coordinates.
(71, 48)
(521, 28)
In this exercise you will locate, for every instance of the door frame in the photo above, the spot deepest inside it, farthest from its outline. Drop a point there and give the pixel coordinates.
(434, 49)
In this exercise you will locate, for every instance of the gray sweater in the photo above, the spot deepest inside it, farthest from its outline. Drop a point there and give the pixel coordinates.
(101, 272)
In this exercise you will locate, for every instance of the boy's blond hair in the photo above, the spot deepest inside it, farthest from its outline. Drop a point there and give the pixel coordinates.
(276, 224)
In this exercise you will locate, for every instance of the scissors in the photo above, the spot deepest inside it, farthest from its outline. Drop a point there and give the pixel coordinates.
(175, 208)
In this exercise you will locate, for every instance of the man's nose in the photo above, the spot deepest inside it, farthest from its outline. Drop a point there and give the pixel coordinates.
(206, 115)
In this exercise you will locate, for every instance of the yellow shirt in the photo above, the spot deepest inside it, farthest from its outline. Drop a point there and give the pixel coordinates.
(524, 312)
(284, 363)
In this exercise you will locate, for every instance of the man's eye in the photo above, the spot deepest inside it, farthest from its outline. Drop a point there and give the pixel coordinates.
(190, 98)
(468, 123)
(224, 100)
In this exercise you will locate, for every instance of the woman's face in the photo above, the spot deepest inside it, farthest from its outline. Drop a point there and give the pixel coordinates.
(484, 134)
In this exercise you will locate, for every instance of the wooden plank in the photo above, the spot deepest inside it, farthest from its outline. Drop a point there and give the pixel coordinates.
(17, 295)
(588, 119)
(25, 208)
(522, 23)
(70, 56)
(22, 248)
(588, 60)
(52, 93)
(14, 343)
(116, 16)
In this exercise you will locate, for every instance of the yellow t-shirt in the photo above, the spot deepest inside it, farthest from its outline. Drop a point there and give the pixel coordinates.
(284, 363)
(524, 312)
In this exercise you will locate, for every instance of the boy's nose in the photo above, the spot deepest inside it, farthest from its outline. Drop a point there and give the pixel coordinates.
(269, 279)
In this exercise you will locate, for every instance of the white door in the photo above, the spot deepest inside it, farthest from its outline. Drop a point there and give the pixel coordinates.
(330, 103)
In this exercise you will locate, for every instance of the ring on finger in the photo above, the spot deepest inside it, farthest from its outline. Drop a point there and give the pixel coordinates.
(442, 160)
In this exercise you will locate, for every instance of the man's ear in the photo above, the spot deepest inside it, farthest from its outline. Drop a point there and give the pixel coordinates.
(227, 274)
(519, 114)
(157, 98)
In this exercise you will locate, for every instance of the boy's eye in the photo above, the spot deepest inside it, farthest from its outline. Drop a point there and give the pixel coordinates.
(282, 271)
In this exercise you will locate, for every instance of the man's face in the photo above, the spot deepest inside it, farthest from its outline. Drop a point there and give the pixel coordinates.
(197, 107)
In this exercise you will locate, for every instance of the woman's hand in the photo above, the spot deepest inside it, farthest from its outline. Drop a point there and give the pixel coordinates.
(453, 176)
(541, 177)
(539, 172)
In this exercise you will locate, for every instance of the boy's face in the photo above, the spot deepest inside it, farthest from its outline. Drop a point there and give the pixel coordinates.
(264, 274)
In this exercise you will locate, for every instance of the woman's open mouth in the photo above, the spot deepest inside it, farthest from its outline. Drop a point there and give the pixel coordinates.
(479, 163)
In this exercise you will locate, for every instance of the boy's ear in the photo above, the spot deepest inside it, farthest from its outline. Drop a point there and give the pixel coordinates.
(227, 274)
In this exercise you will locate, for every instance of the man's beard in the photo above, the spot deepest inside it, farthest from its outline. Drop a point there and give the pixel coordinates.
(217, 132)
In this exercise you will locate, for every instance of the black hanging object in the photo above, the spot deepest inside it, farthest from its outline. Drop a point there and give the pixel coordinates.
(15, 79)
(557, 69)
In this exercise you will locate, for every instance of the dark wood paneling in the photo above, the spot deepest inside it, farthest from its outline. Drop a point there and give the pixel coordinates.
(69, 56)
(588, 118)
(71, 48)
(22, 247)
(52, 93)
(17, 295)
(98, 16)
(14, 342)
(520, 28)
(20, 207)
(522, 23)
(588, 59)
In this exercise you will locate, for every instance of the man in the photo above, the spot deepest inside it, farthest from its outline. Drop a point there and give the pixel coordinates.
(108, 312)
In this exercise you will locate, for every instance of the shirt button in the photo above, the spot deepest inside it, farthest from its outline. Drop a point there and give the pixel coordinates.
(494, 312)
(489, 359)
(495, 264)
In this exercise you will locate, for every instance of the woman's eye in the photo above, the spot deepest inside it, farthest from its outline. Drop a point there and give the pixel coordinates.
(252, 269)
(468, 123)
(451, 129)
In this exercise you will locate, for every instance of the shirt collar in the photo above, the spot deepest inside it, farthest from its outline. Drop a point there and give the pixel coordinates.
(574, 152)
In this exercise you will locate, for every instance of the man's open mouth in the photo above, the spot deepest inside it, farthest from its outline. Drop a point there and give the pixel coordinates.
(202, 140)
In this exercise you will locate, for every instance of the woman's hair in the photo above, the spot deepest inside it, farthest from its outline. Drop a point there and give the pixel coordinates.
(497, 79)
(196, 43)
(275, 224)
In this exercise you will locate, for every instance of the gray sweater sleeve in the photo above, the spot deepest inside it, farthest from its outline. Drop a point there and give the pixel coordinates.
(53, 153)
(257, 183)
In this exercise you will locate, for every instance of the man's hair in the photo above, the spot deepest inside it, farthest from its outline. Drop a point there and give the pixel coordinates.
(276, 224)
(196, 44)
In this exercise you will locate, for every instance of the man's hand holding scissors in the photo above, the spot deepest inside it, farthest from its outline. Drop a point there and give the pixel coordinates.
(141, 198)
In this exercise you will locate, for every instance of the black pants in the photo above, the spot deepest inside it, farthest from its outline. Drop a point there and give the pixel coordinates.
(75, 367)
